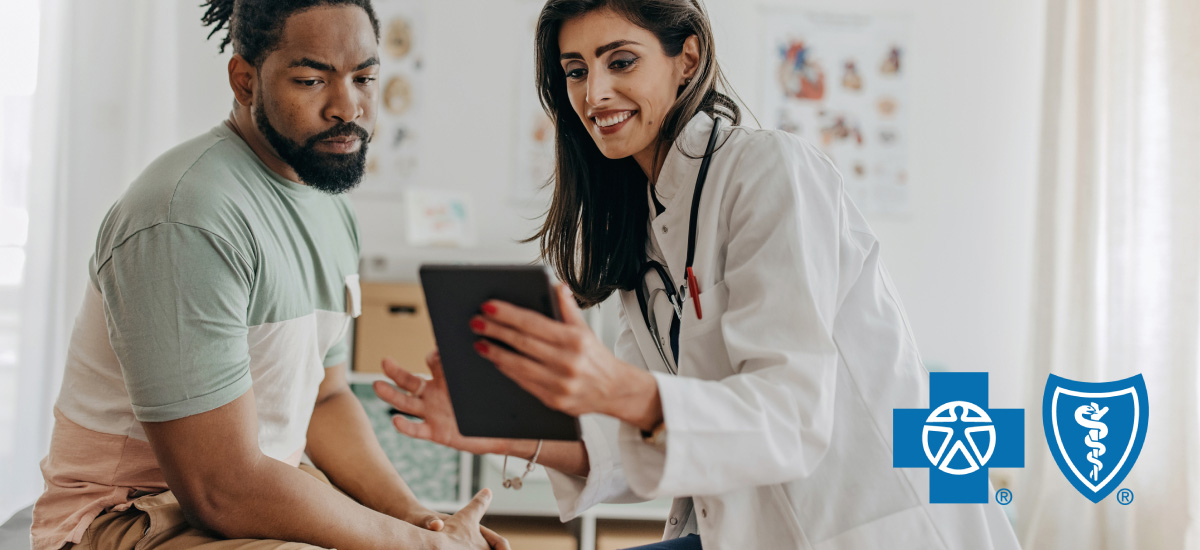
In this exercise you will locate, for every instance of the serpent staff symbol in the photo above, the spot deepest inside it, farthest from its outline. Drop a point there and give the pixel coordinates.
(1096, 431)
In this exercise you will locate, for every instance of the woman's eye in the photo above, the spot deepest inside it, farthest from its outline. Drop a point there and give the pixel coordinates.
(576, 74)
(621, 64)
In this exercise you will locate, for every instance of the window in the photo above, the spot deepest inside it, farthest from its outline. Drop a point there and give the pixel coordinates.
(19, 22)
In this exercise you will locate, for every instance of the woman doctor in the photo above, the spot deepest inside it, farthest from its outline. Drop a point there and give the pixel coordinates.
(761, 400)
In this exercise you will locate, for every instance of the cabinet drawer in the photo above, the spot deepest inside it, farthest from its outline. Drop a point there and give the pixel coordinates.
(394, 323)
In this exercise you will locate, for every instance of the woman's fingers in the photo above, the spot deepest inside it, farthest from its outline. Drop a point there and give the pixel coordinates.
(416, 430)
(410, 382)
(403, 402)
(530, 375)
(520, 341)
(568, 308)
(526, 321)
(434, 362)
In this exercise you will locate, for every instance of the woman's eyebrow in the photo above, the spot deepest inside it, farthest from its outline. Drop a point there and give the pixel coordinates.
(601, 50)
(614, 45)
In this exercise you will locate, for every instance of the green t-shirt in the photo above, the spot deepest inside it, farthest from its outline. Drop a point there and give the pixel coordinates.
(216, 274)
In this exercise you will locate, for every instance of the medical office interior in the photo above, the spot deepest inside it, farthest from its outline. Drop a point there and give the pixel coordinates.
(1029, 166)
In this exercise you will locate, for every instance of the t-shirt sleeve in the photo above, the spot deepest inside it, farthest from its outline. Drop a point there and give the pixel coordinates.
(338, 354)
(175, 301)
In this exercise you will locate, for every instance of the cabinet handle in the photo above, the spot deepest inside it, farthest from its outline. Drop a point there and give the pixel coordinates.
(402, 310)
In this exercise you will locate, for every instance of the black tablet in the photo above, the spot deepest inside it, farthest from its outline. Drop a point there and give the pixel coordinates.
(486, 402)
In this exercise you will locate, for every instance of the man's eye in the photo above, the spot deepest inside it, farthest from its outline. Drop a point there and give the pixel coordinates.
(366, 79)
(308, 83)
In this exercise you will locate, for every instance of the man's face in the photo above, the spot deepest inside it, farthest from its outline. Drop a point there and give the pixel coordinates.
(317, 95)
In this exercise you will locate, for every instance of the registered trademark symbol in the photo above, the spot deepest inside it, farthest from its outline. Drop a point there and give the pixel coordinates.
(1125, 496)
(1004, 496)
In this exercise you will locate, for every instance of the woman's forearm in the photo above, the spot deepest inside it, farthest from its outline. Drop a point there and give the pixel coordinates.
(568, 457)
(639, 406)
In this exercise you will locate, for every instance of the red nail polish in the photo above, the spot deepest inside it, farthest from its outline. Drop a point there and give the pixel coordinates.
(481, 347)
(477, 324)
(489, 309)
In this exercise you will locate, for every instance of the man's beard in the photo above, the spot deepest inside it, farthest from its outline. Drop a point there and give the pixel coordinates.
(332, 173)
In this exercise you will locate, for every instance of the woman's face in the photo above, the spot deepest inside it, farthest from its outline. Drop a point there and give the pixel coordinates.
(620, 82)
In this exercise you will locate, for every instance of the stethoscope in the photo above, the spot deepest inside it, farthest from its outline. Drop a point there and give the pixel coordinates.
(693, 285)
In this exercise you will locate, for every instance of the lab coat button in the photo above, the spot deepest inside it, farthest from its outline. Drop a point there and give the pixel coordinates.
(674, 521)
(703, 512)
(664, 229)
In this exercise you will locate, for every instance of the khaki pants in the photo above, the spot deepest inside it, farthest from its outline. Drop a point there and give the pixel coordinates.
(156, 522)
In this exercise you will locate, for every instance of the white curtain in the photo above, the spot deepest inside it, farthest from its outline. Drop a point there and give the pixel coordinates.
(1117, 284)
(107, 95)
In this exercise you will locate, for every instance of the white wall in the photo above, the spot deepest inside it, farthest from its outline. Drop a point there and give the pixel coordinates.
(962, 260)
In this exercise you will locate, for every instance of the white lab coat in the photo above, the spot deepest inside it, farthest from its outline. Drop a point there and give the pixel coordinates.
(779, 423)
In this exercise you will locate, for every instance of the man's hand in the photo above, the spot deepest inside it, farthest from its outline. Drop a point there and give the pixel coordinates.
(464, 531)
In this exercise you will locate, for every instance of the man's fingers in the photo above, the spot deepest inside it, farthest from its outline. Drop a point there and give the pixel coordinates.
(473, 511)
(493, 539)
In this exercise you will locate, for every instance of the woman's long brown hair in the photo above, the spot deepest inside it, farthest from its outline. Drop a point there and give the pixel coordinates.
(594, 235)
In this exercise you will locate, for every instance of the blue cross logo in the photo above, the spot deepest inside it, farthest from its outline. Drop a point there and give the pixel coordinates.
(958, 438)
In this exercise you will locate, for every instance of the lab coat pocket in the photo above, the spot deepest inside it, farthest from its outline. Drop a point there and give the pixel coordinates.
(713, 302)
(702, 352)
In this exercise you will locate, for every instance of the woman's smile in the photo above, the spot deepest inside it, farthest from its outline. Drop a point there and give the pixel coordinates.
(611, 122)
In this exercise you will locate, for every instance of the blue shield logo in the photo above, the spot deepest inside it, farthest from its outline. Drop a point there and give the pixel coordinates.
(1095, 430)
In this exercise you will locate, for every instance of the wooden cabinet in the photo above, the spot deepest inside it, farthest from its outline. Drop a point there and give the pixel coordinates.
(394, 323)
(533, 533)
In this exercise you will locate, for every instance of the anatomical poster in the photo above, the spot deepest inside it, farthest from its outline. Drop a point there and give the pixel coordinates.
(838, 81)
(395, 148)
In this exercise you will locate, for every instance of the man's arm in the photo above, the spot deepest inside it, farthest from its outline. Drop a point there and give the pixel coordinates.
(224, 483)
(342, 444)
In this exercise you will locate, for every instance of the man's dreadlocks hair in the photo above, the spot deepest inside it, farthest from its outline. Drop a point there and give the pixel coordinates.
(254, 26)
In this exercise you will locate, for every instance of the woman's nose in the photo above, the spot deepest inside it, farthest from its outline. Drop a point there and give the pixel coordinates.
(599, 87)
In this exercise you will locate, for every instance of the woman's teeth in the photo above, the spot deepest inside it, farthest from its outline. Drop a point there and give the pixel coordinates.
(614, 119)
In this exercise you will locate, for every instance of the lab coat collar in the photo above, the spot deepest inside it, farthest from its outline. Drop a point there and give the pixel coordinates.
(668, 233)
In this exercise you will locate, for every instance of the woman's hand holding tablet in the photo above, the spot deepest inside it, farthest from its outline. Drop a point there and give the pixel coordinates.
(564, 364)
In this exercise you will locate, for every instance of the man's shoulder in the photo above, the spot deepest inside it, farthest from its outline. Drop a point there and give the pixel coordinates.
(199, 182)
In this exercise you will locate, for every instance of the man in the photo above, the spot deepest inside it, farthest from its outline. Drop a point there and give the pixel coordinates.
(209, 352)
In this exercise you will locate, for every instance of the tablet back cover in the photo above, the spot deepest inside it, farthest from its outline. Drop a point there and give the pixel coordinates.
(486, 402)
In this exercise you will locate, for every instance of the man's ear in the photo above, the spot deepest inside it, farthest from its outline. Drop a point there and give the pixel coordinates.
(242, 79)
(689, 58)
